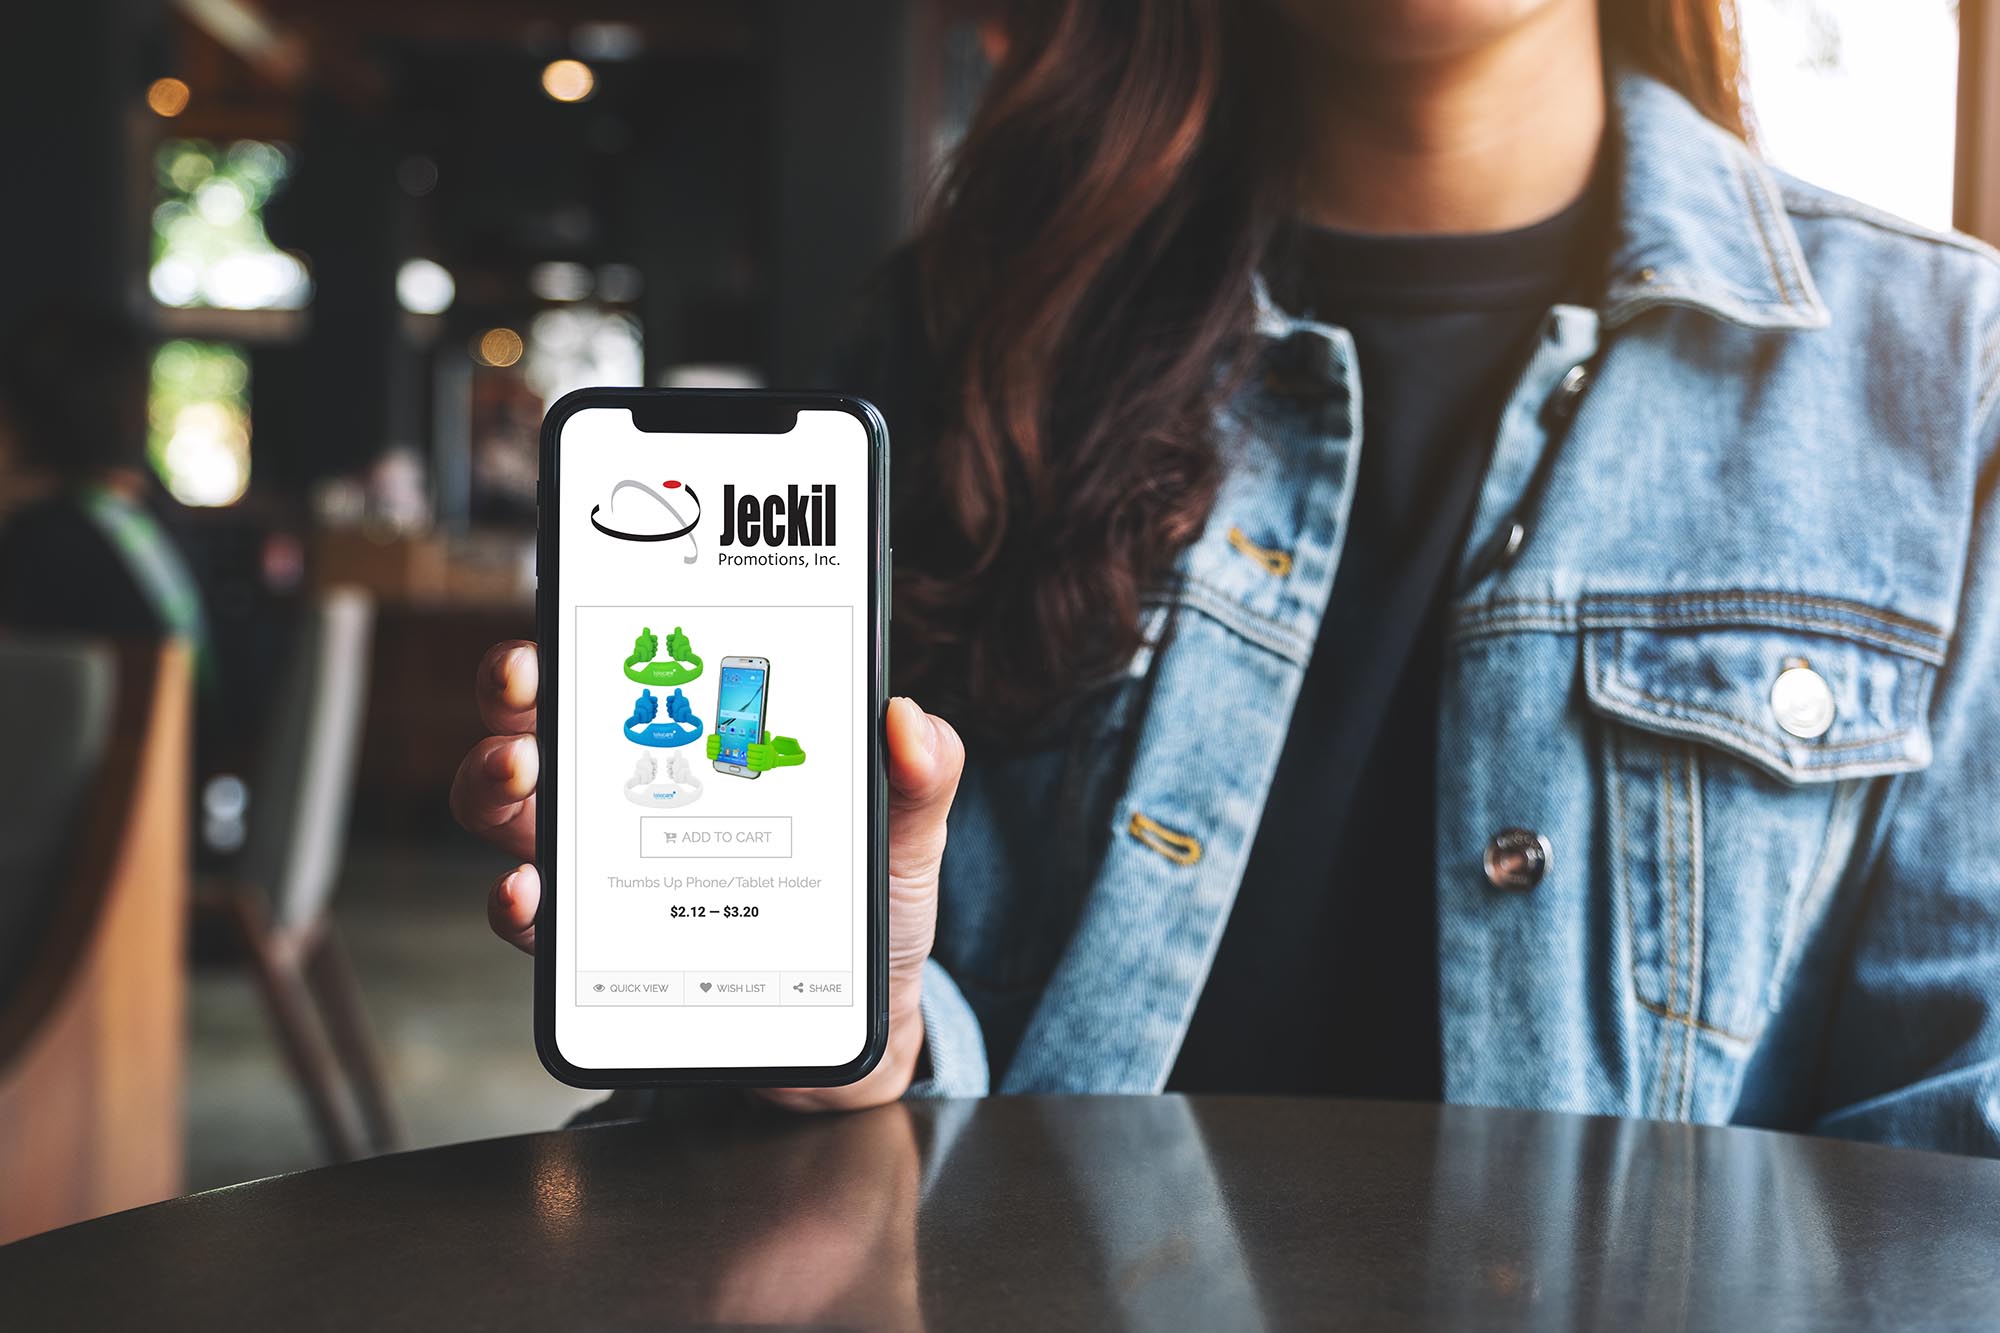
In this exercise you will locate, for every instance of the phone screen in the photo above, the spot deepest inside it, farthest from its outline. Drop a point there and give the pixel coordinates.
(739, 712)
(702, 921)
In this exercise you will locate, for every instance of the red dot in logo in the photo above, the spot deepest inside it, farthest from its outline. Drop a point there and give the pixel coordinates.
(670, 485)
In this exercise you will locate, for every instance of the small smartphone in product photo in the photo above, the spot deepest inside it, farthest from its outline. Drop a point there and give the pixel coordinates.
(695, 928)
(741, 700)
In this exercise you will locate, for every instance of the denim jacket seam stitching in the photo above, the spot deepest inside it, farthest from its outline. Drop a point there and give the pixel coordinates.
(1622, 873)
(1504, 605)
(1228, 611)
(1811, 203)
(1699, 1025)
(1989, 360)
(1472, 626)
(1809, 625)
(1874, 619)
(1751, 738)
(1763, 222)
(1671, 927)
(1881, 628)
(1706, 596)
(1680, 297)
(1696, 926)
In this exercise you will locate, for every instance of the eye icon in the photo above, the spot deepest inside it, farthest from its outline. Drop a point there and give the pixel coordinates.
(638, 511)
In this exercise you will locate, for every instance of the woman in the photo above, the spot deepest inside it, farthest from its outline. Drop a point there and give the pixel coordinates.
(1457, 581)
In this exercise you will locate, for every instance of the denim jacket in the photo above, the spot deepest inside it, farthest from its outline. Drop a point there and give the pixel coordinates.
(1723, 656)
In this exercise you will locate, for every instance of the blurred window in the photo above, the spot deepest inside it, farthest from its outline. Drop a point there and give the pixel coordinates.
(199, 438)
(209, 245)
(1860, 96)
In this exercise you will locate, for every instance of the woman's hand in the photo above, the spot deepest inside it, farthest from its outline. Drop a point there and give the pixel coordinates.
(494, 796)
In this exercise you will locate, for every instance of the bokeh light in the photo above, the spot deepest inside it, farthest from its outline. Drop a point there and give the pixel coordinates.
(498, 347)
(199, 421)
(568, 80)
(425, 287)
(559, 281)
(209, 244)
(575, 346)
(167, 97)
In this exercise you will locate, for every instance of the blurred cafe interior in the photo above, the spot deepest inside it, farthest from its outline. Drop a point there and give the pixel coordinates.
(368, 241)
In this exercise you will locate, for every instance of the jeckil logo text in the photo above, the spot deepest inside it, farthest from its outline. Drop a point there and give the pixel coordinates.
(806, 516)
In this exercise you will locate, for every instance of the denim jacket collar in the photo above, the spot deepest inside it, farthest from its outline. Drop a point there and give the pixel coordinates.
(1701, 224)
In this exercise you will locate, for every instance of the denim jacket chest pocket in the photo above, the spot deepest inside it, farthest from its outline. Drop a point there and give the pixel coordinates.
(1736, 735)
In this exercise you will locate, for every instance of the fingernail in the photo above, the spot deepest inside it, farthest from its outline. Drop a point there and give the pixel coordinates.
(504, 891)
(929, 733)
(500, 762)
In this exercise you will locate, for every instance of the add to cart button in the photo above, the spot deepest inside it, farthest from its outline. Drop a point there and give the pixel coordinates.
(688, 836)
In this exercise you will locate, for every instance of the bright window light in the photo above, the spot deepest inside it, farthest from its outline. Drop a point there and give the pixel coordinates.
(209, 245)
(199, 412)
(1859, 96)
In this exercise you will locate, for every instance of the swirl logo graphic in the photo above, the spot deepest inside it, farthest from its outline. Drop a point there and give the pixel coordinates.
(660, 521)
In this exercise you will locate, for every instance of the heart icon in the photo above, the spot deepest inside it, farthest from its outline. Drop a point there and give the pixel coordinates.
(704, 985)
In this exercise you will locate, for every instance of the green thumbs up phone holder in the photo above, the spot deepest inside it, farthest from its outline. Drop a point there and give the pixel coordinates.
(764, 755)
(678, 667)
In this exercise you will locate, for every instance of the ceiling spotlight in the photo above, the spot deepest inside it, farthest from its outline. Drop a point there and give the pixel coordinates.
(568, 80)
(425, 287)
(167, 97)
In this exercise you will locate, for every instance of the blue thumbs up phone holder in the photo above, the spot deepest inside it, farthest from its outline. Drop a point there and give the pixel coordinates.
(681, 726)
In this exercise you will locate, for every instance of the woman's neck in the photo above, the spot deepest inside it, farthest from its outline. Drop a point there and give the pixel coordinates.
(1489, 139)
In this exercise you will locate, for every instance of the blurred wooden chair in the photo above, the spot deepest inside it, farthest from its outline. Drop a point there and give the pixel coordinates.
(276, 900)
(93, 910)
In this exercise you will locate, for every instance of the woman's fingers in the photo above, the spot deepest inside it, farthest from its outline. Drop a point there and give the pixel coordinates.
(510, 906)
(509, 679)
(925, 760)
(493, 794)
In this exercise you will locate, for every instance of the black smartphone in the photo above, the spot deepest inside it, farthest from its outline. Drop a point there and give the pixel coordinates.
(695, 929)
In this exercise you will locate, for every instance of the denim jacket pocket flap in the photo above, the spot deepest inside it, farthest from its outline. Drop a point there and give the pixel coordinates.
(1803, 706)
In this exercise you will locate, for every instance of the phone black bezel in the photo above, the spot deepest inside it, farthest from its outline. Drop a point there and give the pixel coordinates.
(706, 411)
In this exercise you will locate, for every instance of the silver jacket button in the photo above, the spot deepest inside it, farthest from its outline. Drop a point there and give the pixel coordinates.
(1517, 858)
(1562, 403)
(1802, 700)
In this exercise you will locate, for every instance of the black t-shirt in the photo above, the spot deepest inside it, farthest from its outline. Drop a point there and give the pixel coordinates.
(1326, 978)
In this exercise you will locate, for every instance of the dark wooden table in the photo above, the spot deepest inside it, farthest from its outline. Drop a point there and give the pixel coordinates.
(1028, 1213)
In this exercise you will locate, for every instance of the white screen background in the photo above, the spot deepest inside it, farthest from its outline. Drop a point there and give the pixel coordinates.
(811, 622)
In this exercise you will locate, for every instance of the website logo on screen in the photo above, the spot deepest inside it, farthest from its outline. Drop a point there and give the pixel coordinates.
(641, 511)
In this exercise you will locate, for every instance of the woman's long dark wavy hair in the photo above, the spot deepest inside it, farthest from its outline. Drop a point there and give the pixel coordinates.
(1086, 277)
